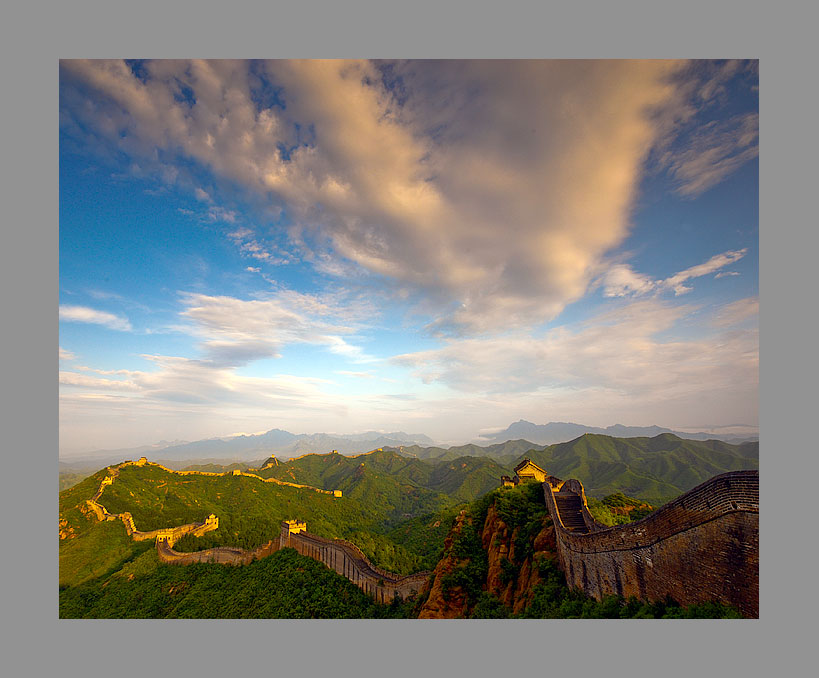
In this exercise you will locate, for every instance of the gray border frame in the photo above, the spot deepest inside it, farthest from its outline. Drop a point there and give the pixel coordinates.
(36, 36)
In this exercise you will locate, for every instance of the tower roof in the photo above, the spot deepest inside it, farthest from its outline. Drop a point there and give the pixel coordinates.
(528, 462)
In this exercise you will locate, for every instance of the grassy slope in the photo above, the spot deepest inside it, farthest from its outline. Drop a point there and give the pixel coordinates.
(95, 549)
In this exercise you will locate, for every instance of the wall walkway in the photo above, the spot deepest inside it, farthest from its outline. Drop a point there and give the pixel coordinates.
(702, 546)
(342, 556)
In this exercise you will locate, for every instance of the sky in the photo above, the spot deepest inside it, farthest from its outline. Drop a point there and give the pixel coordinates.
(437, 247)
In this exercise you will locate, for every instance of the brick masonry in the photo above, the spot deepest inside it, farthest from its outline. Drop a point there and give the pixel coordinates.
(702, 546)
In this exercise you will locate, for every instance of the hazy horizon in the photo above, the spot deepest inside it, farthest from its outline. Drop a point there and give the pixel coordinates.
(436, 247)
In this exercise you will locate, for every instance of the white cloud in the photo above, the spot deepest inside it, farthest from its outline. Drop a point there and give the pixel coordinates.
(202, 195)
(236, 332)
(725, 274)
(617, 359)
(496, 221)
(83, 314)
(76, 379)
(66, 355)
(216, 213)
(622, 280)
(251, 247)
(737, 312)
(715, 263)
(714, 152)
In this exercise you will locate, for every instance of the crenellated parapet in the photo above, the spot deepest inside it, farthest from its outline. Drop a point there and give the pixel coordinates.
(349, 561)
(170, 534)
(702, 546)
(224, 555)
(338, 554)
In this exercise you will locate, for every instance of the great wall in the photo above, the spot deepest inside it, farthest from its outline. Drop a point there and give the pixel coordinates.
(702, 546)
(338, 554)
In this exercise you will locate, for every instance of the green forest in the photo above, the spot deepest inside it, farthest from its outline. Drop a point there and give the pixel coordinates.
(397, 509)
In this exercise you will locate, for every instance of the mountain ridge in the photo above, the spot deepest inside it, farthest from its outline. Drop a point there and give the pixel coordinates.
(284, 445)
(560, 432)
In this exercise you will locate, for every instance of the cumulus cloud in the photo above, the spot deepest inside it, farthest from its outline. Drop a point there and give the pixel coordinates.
(427, 184)
(83, 314)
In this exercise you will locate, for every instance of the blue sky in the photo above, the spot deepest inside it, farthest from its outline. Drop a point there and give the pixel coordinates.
(436, 247)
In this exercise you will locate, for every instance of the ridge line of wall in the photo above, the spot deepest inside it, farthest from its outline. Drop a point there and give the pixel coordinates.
(701, 546)
(348, 560)
(353, 564)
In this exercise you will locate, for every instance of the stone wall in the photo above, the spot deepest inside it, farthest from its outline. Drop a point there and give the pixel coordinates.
(702, 546)
(235, 472)
(170, 533)
(347, 559)
(342, 556)
(226, 555)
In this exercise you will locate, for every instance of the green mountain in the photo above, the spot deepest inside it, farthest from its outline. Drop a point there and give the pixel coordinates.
(397, 508)
(401, 487)
(654, 469)
(507, 449)
(381, 492)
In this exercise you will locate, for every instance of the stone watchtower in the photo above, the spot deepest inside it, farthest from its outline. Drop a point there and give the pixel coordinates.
(290, 527)
(526, 471)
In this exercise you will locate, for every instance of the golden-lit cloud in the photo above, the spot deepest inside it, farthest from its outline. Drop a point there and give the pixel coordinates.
(494, 189)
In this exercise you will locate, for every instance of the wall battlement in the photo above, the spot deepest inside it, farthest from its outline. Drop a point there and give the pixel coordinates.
(347, 559)
(338, 554)
(702, 546)
(170, 534)
(236, 472)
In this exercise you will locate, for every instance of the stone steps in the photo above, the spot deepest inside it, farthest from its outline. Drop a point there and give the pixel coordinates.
(569, 506)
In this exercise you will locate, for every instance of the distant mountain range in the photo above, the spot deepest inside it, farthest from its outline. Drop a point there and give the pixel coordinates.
(561, 432)
(276, 442)
(514, 440)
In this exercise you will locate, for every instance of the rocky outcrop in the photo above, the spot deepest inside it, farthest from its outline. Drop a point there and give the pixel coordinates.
(512, 577)
(454, 605)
